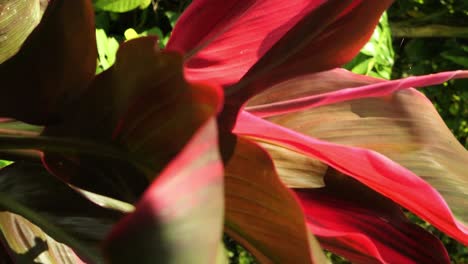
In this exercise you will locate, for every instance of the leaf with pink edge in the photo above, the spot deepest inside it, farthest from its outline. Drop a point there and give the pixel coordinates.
(37, 77)
(179, 218)
(261, 211)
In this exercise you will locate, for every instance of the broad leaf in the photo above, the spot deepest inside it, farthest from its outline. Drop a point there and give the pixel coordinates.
(148, 105)
(17, 128)
(27, 243)
(17, 19)
(261, 213)
(36, 83)
(179, 218)
(338, 29)
(28, 190)
(379, 172)
(356, 222)
(296, 170)
(222, 40)
(107, 48)
(402, 125)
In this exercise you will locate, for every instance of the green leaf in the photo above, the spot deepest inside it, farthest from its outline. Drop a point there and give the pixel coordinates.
(456, 56)
(28, 190)
(17, 19)
(376, 57)
(130, 33)
(403, 126)
(107, 48)
(120, 6)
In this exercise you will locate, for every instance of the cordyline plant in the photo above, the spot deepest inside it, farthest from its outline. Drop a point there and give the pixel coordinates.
(242, 125)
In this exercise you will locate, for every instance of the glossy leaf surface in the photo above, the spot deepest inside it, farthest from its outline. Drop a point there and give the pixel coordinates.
(150, 114)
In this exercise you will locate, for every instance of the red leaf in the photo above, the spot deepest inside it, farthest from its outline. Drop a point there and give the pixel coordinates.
(369, 167)
(324, 39)
(334, 86)
(222, 40)
(356, 222)
(179, 218)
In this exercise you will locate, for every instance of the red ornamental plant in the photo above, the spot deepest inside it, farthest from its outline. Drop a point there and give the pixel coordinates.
(243, 125)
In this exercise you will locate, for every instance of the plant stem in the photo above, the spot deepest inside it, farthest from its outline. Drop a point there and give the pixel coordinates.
(429, 31)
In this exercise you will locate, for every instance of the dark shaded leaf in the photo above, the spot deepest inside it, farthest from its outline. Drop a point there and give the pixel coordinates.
(179, 218)
(261, 213)
(55, 64)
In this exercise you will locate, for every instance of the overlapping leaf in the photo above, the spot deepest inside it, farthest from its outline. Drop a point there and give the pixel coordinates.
(402, 125)
(356, 222)
(179, 218)
(29, 244)
(222, 41)
(17, 19)
(329, 29)
(148, 104)
(51, 206)
(120, 6)
(261, 213)
(36, 83)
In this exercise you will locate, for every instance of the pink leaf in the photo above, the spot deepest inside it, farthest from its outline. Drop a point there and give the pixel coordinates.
(367, 166)
(222, 41)
(354, 221)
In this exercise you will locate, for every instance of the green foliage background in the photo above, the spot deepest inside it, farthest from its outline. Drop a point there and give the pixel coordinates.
(396, 50)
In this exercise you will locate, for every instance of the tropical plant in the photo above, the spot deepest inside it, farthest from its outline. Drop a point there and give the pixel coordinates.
(242, 124)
